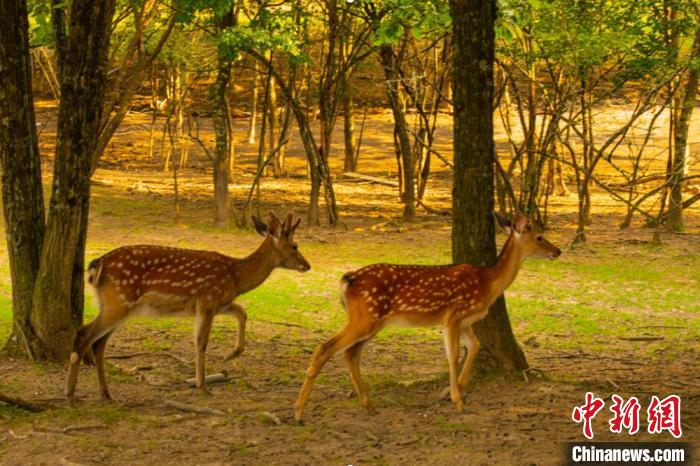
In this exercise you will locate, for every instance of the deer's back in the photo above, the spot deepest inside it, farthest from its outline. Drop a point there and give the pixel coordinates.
(162, 279)
(390, 290)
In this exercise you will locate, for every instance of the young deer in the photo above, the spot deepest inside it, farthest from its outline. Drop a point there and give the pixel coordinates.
(451, 296)
(162, 281)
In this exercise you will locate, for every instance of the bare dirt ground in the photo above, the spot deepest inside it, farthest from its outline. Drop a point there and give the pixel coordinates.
(521, 419)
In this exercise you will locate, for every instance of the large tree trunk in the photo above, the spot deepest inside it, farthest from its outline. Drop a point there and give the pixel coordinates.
(388, 61)
(83, 64)
(675, 208)
(473, 238)
(22, 195)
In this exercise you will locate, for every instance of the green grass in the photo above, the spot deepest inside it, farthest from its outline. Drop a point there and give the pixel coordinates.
(588, 296)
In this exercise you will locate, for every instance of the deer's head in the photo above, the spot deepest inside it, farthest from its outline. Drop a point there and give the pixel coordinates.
(528, 238)
(281, 236)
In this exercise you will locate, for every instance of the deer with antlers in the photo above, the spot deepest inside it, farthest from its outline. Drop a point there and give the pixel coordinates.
(451, 296)
(163, 281)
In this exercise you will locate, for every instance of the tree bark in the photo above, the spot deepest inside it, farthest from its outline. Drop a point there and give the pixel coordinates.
(22, 195)
(473, 238)
(59, 286)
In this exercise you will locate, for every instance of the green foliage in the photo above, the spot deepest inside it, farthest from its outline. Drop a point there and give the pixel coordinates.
(270, 30)
(423, 19)
(40, 27)
(624, 39)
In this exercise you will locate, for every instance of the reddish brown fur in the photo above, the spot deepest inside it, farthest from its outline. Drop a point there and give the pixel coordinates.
(133, 271)
(417, 292)
(166, 281)
(452, 296)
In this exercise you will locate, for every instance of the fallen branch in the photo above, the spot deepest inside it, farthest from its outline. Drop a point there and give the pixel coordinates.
(22, 404)
(211, 378)
(371, 179)
(432, 210)
(193, 408)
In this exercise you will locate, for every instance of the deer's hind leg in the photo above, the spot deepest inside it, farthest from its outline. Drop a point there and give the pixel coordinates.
(349, 336)
(472, 343)
(103, 325)
(352, 361)
(98, 349)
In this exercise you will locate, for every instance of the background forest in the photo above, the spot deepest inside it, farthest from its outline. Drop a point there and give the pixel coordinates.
(172, 122)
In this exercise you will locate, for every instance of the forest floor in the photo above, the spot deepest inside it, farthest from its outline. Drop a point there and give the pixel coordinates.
(619, 314)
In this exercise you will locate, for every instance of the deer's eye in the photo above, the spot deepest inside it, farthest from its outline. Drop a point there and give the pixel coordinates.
(539, 238)
(295, 247)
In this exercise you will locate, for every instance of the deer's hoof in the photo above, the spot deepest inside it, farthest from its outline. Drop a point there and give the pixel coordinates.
(233, 354)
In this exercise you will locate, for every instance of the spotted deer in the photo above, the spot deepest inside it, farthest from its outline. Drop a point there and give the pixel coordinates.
(450, 296)
(164, 281)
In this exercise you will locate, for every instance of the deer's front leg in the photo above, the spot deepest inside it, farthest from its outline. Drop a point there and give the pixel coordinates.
(242, 317)
(452, 334)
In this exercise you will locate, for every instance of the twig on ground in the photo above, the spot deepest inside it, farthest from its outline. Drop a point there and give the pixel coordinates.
(285, 324)
(147, 353)
(662, 326)
(193, 408)
(69, 429)
(270, 418)
(641, 338)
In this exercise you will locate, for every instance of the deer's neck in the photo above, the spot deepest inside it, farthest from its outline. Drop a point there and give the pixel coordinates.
(252, 271)
(503, 272)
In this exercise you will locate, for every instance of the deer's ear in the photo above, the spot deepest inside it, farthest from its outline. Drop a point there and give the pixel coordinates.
(520, 222)
(260, 226)
(274, 226)
(503, 223)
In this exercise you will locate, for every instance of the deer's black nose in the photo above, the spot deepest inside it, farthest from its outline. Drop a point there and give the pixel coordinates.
(556, 253)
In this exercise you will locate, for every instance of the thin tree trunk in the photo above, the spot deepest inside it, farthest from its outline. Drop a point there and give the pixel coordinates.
(473, 236)
(350, 163)
(253, 104)
(675, 208)
(391, 77)
(220, 115)
(273, 137)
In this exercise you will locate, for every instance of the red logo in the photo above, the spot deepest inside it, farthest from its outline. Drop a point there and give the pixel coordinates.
(587, 412)
(661, 415)
(625, 415)
(665, 415)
